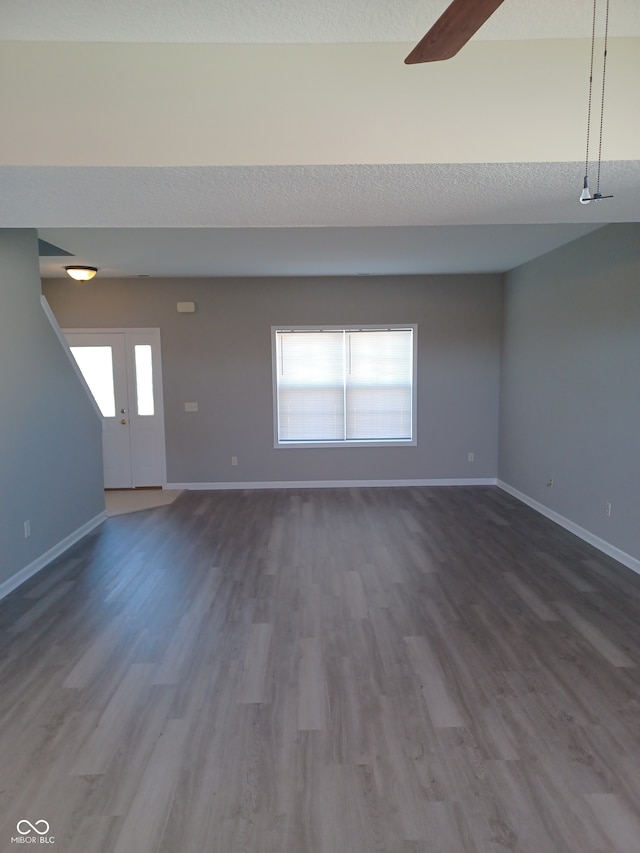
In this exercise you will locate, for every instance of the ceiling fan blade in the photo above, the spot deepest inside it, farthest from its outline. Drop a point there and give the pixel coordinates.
(453, 29)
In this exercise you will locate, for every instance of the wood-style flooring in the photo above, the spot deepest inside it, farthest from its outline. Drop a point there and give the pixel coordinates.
(406, 670)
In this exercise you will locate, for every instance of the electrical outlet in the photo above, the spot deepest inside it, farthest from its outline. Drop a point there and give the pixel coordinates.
(191, 407)
(550, 483)
(27, 529)
(234, 460)
(471, 457)
(607, 509)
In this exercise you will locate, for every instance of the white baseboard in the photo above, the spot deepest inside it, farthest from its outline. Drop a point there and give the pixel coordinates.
(331, 484)
(601, 544)
(44, 559)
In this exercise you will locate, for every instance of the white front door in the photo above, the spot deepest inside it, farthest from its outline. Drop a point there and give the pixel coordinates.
(122, 371)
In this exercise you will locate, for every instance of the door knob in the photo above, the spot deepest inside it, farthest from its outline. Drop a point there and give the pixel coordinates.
(123, 422)
(123, 411)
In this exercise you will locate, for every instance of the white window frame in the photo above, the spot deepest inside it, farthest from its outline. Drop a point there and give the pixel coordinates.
(408, 442)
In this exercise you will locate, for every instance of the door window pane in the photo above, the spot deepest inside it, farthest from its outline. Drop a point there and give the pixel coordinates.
(144, 379)
(96, 365)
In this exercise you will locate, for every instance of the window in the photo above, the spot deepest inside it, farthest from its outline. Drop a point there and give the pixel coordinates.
(144, 379)
(96, 365)
(344, 386)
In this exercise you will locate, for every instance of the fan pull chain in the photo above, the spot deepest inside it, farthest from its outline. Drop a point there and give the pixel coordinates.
(586, 196)
(593, 44)
(604, 74)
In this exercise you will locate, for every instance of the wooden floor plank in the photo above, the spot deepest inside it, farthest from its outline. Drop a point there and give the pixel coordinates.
(595, 637)
(619, 821)
(533, 601)
(442, 708)
(118, 716)
(145, 821)
(255, 664)
(312, 689)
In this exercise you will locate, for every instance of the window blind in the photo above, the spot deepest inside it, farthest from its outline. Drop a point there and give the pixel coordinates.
(341, 385)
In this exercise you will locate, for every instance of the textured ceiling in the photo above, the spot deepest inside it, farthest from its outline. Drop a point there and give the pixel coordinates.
(291, 21)
(247, 220)
(208, 252)
(315, 196)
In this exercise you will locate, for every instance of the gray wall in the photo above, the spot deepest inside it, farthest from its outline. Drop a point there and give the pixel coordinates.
(570, 392)
(220, 358)
(50, 437)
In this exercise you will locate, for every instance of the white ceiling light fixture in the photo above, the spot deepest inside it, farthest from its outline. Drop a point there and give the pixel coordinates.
(81, 273)
(585, 195)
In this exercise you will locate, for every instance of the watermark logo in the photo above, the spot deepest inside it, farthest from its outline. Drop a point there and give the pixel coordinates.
(33, 833)
(40, 826)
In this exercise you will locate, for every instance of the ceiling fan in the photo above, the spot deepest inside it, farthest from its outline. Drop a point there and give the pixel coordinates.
(453, 29)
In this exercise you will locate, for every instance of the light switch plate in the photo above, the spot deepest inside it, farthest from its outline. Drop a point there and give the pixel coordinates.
(191, 407)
